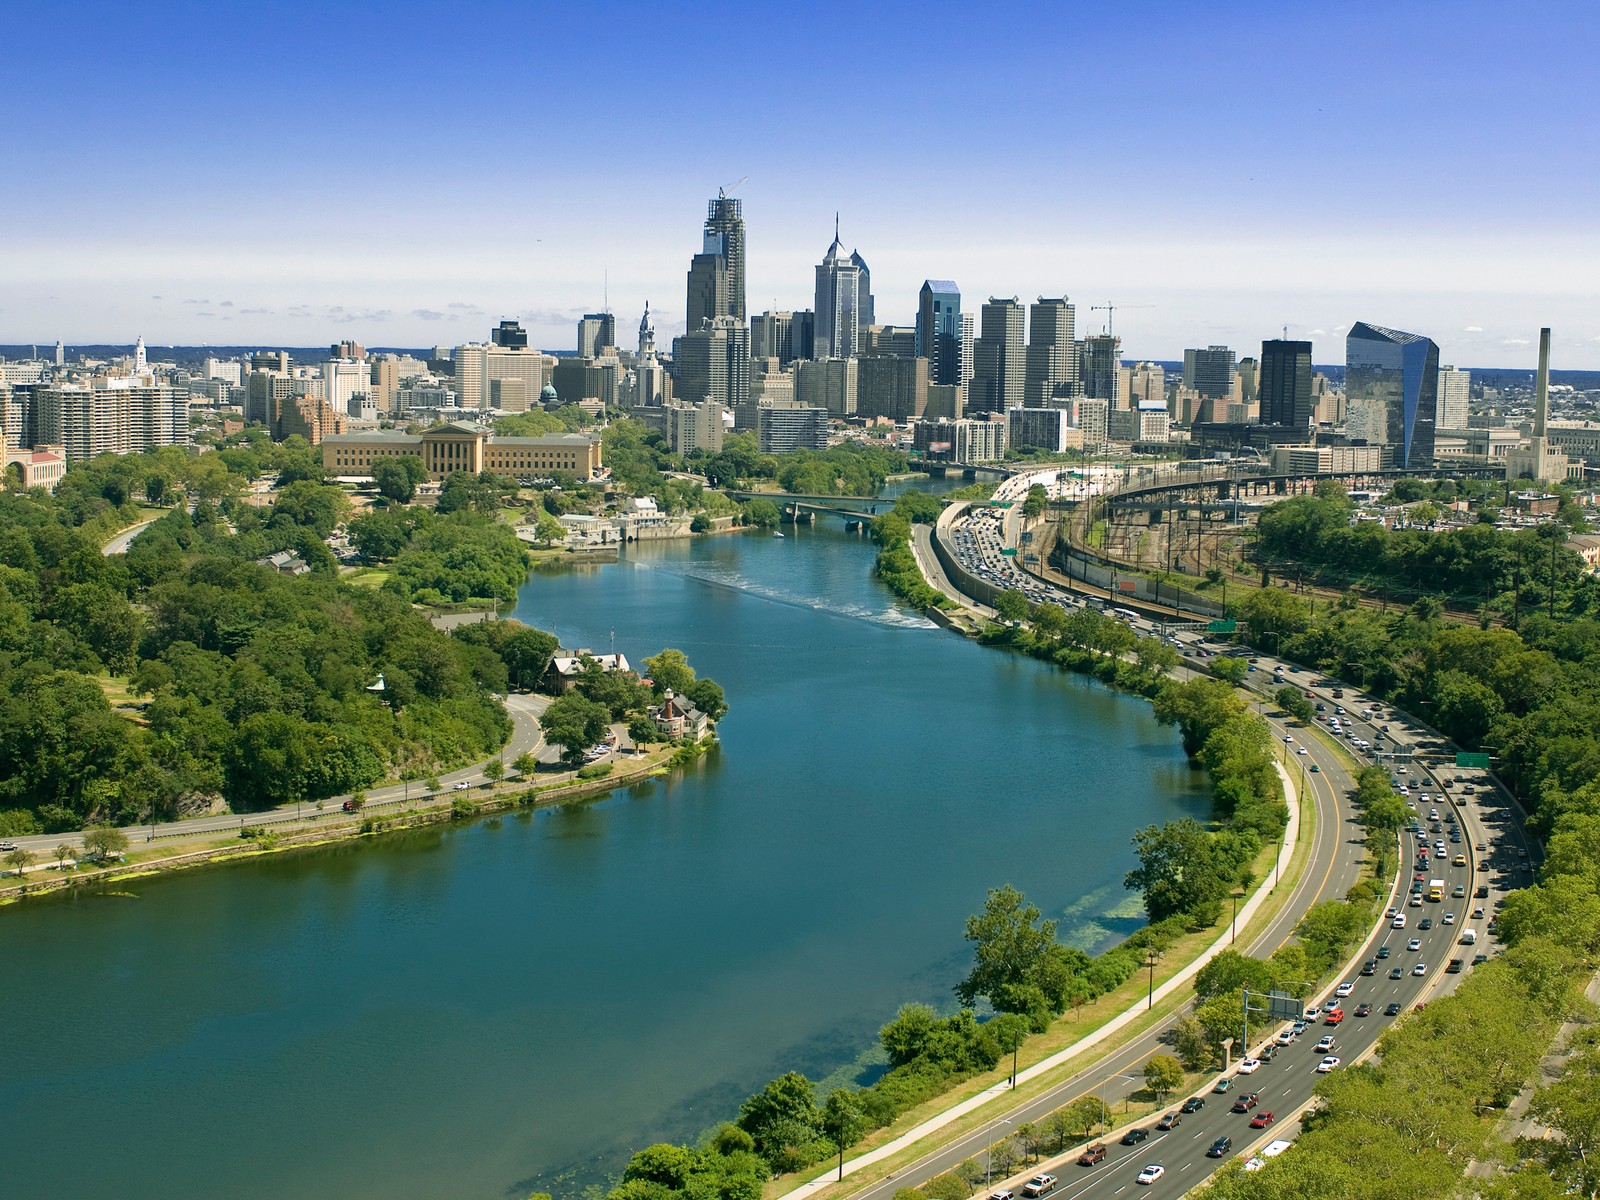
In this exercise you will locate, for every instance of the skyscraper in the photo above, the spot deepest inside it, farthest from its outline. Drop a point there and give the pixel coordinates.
(1455, 387)
(860, 264)
(595, 331)
(716, 274)
(1391, 384)
(1209, 371)
(840, 303)
(939, 329)
(510, 335)
(1285, 387)
(1051, 362)
(1102, 369)
(998, 364)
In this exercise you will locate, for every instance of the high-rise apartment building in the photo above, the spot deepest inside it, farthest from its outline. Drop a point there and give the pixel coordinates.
(1391, 384)
(828, 383)
(596, 331)
(694, 426)
(999, 366)
(1051, 362)
(784, 336)
(840, 303)
(345, 379)
(784, 427)
(1285, 384)
(1146, 381)
(713, 363)
(896, 388)
(1455, 387)
(118, 415)
(939, 330)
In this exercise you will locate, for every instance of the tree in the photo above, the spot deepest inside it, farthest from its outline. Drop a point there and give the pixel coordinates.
(700, 524)
(762, 513)
(670, 669)
(708, 697)
(1190, 1041)
(1037, 499)
(1163, 1075)
(1002, 1157)
(783, 1118)
(494, 770)
(843, 1121)
(1230, 670)
(62, 853)
(574, 723)
(19, 860)
(103, 841)
(1011, 606)
(1293, 702)
(393, 480)
(1011, 1030)
(1014, 948)
(1176, 873)
(525, 765)
(548, 530)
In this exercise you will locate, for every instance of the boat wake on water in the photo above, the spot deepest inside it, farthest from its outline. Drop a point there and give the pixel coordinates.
(890, 614)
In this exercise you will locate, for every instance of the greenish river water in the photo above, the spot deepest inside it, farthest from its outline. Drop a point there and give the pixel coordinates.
(514, 1005)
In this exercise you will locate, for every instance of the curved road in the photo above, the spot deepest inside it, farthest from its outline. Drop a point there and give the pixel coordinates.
(1486, 816)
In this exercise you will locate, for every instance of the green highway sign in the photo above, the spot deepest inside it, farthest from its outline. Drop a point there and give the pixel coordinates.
(1009, 551)
(1228, 626)
(1473, 760)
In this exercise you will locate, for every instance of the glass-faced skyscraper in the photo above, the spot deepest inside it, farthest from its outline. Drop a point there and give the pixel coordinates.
(1391, 382)
(716, 274)
(939, 329)
(839, 304)
(1285, 384)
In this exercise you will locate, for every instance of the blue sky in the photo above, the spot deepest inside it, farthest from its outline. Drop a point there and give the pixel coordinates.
(409, 173)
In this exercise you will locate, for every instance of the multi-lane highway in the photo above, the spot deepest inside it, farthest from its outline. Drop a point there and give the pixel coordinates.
(1390, 977)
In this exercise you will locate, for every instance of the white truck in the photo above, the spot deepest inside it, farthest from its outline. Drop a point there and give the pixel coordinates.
(1469, 937)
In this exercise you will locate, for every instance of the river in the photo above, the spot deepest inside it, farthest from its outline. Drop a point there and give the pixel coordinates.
(515, 1004)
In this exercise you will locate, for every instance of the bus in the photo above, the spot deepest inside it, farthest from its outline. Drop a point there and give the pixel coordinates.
(1125, 614)
(1436, 890)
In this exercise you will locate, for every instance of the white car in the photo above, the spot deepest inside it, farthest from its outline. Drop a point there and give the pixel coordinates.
(1312, 1012)
(1325, 1044)
(1420, 969)
(1327, 1064)
(1250, 1066)
(461, 787)
(1302, 750)
(1448, 919)
(1150, 1174)
(1344, 989)
(1399, 921)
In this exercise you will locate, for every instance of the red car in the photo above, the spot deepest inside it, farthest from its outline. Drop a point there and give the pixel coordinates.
(1261, 1120)
(1092, 1155)
(1245, 1103)
(1334, 1017)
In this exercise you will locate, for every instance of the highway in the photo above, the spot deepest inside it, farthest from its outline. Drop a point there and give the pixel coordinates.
(1284, 1084)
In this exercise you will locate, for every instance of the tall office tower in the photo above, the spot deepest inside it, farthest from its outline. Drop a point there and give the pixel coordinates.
(708, 290)
(1285, 388)
(868, 317)
(1247, 382)
(472, 375)
(969, 340)
(141, 363)
(270, 360)
(999, 365)
(596, 331)
(510, 335)
(1209, 372)
(829, 383)
(803, 336)
(1455, 386)
(725, 229)
(347, 349)
(773, 335)
(839, 304)
(61, 356)
(1051, 363)
(939, 329)
(1101, 369)
(1391, 384)
(892, 387)
(713, 363)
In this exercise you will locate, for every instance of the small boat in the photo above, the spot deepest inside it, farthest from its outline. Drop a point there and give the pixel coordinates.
(777, 533)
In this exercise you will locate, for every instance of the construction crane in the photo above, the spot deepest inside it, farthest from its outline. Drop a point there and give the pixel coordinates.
(1111, 312)
(730, 190)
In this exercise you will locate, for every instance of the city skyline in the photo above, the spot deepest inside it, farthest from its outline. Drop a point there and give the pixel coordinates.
(1265, 168)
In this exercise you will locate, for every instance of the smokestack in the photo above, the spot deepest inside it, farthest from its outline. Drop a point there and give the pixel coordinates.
(1541, 388)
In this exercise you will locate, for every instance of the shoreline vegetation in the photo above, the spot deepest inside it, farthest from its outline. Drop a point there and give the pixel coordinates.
(1022, 974)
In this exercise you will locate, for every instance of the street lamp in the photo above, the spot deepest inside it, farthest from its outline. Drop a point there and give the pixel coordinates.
(1234, 923)
(988, 1147)
(1150, 960)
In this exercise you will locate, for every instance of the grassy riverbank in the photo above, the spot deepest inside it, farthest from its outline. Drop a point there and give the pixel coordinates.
(219, 848)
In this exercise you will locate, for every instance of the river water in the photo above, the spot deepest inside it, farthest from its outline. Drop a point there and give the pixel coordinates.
(516, 1004)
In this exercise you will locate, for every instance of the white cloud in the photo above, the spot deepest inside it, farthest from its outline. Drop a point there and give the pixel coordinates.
(1473, 329)
(1516, 341)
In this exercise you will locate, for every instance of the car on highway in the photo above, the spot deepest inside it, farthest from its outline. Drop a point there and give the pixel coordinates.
(1370, 967)
(1328, 1064)
(1454, 966)
(1392, 1009)
(7, 846)
(1245, 1102)
(1222, 1085)
(1414, 945)
(1150, 1174)
(1039, 1185)
(1313, 1011)
(1003, 1194)
(1420, 969)
(1092, 1155)
(1326, 1044)
(1285, 1038)
(1299, 1027)
(1261, 1120)
(1363, 1010)
(1344, 989)
(1250, 1066)
(1171, 1121)
(1383, 950)
(1479, 959)
(461, 787)
(1425, 924)
(1399, 921)
(1334, 1016)
(1220, 1147)
(1397, 972)
(1193, 1104)
(1135, 1135)
(1448, 919)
